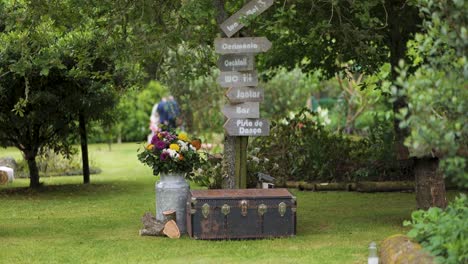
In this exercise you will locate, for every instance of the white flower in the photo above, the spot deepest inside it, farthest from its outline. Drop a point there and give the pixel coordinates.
(192, 147)
(257, 160)
(183, 145)
(266, 160)
(172, 153)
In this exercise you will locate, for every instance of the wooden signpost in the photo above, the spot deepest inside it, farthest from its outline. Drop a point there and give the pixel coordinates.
(244, 94)
(247, 127)
(253, 8)
(238, 79)
(236, 62)
(242, 110)
(241, 45)
(237, 65)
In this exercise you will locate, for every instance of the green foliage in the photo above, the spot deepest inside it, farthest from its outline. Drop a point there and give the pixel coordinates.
(437, 90)
(301, 148)
(443, 232)
(210, 173)
(287, 91)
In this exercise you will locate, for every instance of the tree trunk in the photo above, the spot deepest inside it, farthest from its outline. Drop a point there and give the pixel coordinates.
(33, 170)
(84, 147)
(430, 185)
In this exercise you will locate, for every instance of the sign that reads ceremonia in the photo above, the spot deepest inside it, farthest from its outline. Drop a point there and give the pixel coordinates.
(241, 45)
(242, 110)
(253, 8)
(236, 62)
(245, 94)
(247, 127)
(237, 79)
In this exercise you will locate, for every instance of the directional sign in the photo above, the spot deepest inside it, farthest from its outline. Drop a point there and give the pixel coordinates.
(236, 62)
(244, 94)
(241, 45)
(247, 127)
(253, 8)
(243, 110)
(238, 79)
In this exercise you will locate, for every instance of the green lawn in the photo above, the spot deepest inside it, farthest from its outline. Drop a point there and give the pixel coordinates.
(67, 222)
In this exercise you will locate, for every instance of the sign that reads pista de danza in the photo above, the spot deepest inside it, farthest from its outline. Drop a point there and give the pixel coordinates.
(241, 45)
(236, 62)
(247, 127)
(253, 8)
(238, 79)
(244, 94)
(242, 110)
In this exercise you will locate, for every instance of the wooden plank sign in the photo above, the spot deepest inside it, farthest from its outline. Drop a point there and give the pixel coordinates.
(241, 45)
(245, 94)
(253, 8)
(236, 62)
(247, 127)
(243, 110)
(238, 79)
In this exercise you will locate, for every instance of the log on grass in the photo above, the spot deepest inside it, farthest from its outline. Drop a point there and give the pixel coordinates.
(169, 215)
(152, 227)
(171, 230)
(3, 177)
(399, 249)
(333, 186)
(389, 186)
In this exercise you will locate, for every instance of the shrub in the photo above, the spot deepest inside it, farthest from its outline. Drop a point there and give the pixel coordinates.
(301, 148)
(443, 232)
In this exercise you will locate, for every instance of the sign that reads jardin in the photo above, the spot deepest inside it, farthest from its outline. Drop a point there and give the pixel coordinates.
(242, 110)
(247, 127)
(244, 94)
(238, 79)
(253, 8)
(241, 45)
(236, 62)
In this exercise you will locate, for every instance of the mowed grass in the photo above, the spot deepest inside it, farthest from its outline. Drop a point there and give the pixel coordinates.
(67, 222)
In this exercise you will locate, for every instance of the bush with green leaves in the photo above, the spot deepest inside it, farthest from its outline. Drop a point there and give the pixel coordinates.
(301, 148)
(443, 232)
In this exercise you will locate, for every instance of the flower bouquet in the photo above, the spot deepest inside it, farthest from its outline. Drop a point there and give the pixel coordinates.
(169, 152)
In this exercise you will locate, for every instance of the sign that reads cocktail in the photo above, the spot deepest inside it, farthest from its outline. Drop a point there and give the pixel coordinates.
(238, 79)
(241, 45)
(247, 127)
(252, 8)
(236, 62)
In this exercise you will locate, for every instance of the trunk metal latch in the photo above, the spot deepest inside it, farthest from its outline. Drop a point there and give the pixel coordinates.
(205, 210)
(225, 209)
(262, 209)
(282, 209)
(244, 205)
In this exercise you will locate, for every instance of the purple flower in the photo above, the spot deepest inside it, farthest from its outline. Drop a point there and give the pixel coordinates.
(154, 139)
(160, 144)
(164, 155)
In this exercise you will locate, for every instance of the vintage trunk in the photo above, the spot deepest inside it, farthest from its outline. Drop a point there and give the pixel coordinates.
(241, 214)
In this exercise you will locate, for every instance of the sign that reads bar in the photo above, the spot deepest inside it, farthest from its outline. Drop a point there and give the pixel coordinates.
(253, 8)
(247, 127)
(241, 45)
(236, 62)
(245, 94)
(238, 79)
(243, 110)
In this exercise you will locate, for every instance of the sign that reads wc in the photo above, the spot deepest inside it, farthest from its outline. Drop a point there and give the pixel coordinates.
(237, 79)
(247, 127)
